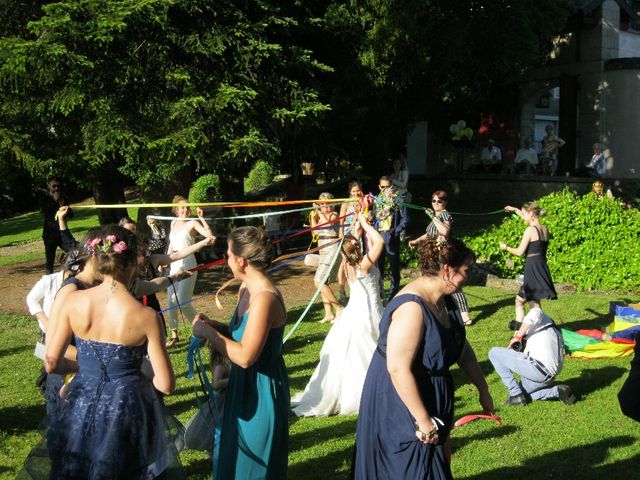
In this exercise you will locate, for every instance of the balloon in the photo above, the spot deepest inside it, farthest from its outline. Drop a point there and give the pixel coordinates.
(453, 128)
(467, 132)
(461, 124)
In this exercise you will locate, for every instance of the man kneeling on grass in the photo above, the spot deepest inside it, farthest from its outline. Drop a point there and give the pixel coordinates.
(535, 353)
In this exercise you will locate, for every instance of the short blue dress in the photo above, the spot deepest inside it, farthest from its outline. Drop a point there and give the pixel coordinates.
(386, 444)
(113, 423)
(255, 427)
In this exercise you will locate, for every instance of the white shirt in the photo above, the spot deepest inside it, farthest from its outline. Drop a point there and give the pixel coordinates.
(490, 155)
(527, 155)
(546, 346)
(42, 295)
(400, 181)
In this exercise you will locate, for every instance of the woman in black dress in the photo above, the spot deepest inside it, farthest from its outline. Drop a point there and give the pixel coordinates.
(537, 282)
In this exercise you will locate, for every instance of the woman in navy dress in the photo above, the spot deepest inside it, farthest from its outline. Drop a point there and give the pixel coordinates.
(255, 427)
(537, 283)
(406, 411)
(113, 423)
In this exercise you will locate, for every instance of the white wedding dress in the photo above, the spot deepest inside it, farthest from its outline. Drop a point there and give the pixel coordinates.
(336, 384)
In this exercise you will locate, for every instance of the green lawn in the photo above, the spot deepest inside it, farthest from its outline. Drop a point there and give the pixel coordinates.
(588, 440)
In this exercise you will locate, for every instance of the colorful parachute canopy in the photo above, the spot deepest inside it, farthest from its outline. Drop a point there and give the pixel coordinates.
(617, 340)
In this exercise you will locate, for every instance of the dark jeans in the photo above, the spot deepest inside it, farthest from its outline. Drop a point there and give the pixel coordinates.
(392, 250)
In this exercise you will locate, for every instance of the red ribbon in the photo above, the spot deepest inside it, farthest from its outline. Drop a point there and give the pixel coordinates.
(477, 416)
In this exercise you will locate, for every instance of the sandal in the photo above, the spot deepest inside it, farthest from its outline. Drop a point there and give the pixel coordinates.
(172, 341)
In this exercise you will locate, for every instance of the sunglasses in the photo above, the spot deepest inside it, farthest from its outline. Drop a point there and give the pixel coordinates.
(382, 187)
(438, 201)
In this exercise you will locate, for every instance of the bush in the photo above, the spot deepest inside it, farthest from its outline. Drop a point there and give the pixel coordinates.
(198, 192)
(260, 176)
(593, 244)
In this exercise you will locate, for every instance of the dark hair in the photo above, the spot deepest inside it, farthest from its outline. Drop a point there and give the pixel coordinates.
(353, 184)
(441, 194)
(126, 220)
(351, 250)
(110, 261)
(74, 260)
(385, 178)
(252, 244)
(434, 252)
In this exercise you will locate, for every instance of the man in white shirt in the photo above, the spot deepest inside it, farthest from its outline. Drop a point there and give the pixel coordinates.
(491, 157)
(537, 365)
(526, 158)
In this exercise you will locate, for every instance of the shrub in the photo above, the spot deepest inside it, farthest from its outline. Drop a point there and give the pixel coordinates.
(260, 176)
(594, 242)
(198, 192)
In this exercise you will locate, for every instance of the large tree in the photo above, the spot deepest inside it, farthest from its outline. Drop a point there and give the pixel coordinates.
(156, 89)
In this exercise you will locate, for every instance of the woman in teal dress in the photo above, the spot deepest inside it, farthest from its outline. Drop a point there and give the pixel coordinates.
(255, 430)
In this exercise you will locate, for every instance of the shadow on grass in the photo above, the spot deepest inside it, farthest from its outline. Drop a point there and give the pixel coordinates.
(323, 467)
(594, 379)
(18, 419)
(313, 436)
(583, 462)
(493, 433)
(15, 350)
(487, 310)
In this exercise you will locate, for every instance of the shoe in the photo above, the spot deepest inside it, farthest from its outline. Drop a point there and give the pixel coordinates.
(513, 325)
(517, 400)
(565, 395)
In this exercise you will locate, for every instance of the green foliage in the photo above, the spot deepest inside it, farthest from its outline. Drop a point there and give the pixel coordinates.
(594, 242)
(260, 176)
(408, 256)
(200, 189)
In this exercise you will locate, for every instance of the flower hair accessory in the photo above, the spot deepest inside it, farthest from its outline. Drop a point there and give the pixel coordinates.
(440, 242)
(110, 245)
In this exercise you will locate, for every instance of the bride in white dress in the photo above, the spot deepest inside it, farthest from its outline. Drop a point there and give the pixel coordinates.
(336, 384)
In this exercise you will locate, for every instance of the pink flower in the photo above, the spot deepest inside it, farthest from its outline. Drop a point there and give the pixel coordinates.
(111, 238)
(120, 247)
(93, 243)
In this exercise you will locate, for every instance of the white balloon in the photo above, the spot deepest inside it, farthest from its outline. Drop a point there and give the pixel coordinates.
(461, 124)
(454, 128)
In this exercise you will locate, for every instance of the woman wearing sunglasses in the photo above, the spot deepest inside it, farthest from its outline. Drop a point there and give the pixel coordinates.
(440, 227)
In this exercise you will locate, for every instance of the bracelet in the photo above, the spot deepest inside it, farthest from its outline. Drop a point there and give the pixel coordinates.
(431, 433)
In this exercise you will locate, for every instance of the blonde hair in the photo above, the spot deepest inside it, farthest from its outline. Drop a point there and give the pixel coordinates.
(325, 196)
(177, 199)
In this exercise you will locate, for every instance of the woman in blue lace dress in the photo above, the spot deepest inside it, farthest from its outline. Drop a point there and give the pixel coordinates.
(255, 430)
(113, 423)
(406, 410)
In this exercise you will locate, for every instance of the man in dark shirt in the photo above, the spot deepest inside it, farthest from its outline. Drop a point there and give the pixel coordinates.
(50, 228)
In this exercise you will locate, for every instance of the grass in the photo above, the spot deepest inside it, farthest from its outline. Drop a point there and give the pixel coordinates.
(588, 440)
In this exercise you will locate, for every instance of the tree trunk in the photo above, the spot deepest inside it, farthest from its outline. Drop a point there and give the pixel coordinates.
(109, 190)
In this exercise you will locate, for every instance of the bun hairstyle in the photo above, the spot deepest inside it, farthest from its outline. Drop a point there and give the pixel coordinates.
(177, 199)
(252, 244)
(77, 257)
(351, 250)
(325, 196)
(532, 207)
(115, 249)
(434, 252)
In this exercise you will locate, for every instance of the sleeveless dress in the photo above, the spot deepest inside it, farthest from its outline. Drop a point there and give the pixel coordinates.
(255, 427)
(113, 423)
(386, 444)
(537, 284)
(336, 384)
(180, 294)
